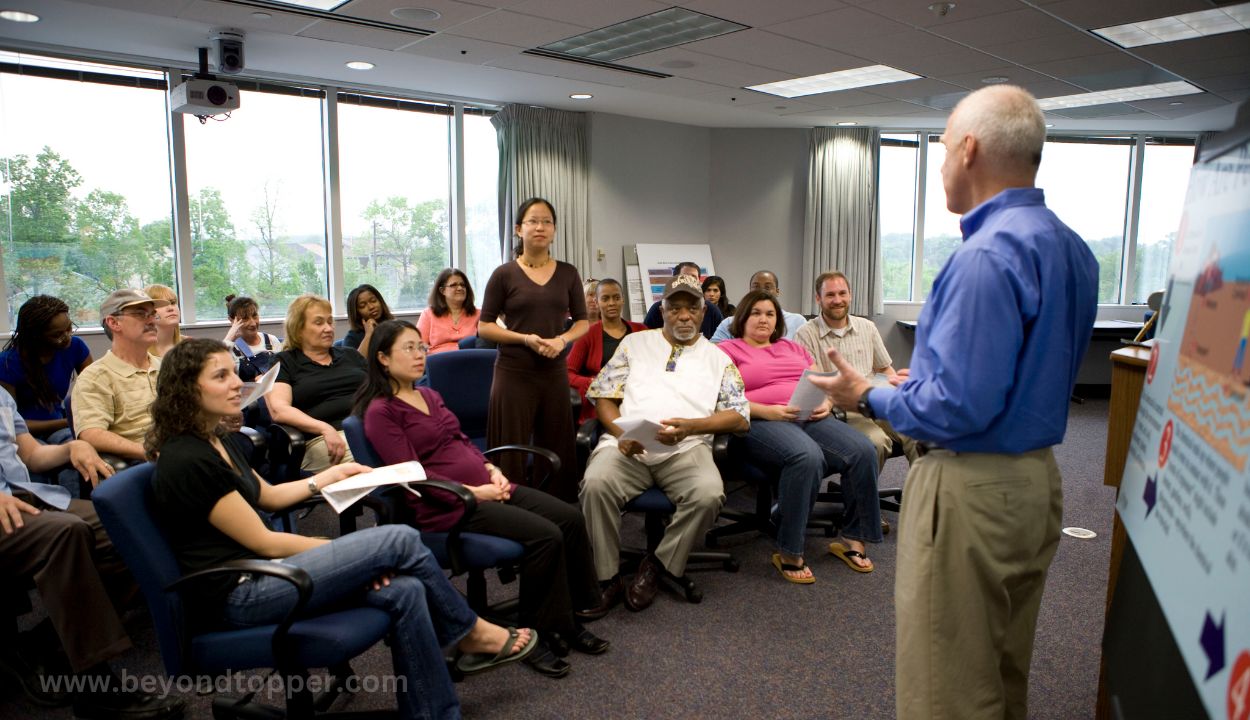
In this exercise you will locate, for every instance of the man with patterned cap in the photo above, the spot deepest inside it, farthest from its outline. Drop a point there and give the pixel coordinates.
(112, 397)
(676, 378)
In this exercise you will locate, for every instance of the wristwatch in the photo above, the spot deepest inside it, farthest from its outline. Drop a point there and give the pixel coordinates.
(312, 487)
(864, 407)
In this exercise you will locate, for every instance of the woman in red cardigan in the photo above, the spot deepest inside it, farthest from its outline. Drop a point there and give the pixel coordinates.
(594, 349)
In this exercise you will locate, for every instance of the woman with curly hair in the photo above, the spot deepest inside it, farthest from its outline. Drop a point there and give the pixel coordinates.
(365, 309)
(211, 504)
(450, 315)
(38, 362)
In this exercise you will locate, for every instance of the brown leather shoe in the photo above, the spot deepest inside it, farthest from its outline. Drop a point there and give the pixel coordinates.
(612, 593)
(646, 582)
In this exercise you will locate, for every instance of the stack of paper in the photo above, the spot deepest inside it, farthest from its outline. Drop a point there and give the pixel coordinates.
(344, 493)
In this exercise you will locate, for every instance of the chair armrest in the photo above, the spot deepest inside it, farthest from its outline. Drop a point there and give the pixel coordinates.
(553, 460)
(297, 576)
(287, 445)
(258, 439)
(117, 462)
(588, 434)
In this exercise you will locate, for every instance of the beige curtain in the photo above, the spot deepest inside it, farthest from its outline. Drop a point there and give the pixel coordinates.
(546, 153)
(841, 231)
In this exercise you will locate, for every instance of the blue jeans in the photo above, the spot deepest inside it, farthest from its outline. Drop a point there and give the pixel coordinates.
(427, 612)
(805, 453)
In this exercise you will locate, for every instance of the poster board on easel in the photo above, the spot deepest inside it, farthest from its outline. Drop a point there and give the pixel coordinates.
(655, 264)
(1185, 494)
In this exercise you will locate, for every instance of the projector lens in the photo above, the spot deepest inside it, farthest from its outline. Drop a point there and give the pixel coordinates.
(217, 95)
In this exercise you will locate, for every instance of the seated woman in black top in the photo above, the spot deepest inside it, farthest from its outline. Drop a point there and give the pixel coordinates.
(210, 502)
(316, 382)
(365, 309)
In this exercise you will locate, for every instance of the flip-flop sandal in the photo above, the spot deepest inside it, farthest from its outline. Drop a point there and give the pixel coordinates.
(848, 556)
(473, 663)
(783, 567)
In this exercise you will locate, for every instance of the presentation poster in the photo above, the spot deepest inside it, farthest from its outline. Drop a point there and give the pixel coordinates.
(1185, 496)
(656, 264)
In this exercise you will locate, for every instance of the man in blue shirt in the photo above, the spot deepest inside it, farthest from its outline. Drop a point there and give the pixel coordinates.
(998, 346)
(762, 281)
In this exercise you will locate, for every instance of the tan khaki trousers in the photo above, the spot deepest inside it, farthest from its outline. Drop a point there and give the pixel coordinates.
(977, 534)
(883, 437)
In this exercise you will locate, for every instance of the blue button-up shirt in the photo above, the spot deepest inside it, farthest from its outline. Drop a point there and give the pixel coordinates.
(1001, 338)
(13, 472)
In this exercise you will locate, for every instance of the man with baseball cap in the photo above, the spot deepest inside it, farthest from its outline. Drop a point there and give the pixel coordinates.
(112, 398)
(674, 377)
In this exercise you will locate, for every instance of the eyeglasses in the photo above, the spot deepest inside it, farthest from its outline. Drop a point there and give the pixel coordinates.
(536, 223)
(414, 349)
(455, 286)
(149, 315)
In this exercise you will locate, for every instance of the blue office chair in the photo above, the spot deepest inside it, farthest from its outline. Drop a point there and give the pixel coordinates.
(464, 379)
(656, 508)
(461, 552)
(124, 504)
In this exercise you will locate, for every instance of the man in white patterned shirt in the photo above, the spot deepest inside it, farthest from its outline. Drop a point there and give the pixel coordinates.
(860, 343)
(675, 377)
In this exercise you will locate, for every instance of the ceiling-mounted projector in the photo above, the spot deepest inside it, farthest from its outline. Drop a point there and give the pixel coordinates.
(198, 96)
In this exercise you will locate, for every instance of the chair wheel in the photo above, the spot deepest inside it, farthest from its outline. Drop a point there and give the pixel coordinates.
(885, 527)
(730, 565)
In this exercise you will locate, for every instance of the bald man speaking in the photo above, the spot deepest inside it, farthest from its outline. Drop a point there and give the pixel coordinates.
(998, 346)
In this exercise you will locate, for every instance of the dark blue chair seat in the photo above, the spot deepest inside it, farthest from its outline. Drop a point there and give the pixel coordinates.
(322, 641)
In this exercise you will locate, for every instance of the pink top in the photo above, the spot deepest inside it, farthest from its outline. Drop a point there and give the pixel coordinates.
(441, 334)
(769, 373)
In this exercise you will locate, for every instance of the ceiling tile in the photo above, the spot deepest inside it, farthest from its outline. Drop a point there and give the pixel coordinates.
(834, 29)
(240, 16)
(962, 61)
(1098, 111)
(451, 13)
(589, 14)
(705, 68)
(915, 89)
(1053, 88)
(510, 28)
(1094, 65)
(918, 14)
(1003, 27)
(909, 47)
(1199, 69)
(1068, 45)
(1226, 83)
(561, 69)
(1015, 75)
(1230, 45)
(349, 34)
(1188, 104)
(170, 8)
(759, 47)
(445, 46)
(676, 86)
(896, 107)
(761, 14)
(1118, 12)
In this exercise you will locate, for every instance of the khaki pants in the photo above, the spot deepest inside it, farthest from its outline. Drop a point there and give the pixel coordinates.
(883, 437)
(690, 479)
(317, 458)
(977, 534)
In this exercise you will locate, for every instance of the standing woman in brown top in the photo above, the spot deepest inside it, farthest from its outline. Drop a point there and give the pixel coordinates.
(529, 397)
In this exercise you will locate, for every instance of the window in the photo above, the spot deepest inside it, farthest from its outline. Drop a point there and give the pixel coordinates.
(256, 203)
(1086, 185)
(941, 226)
(1165, 176)
(84, 197)
(481, 200)
(897, 208)
(394, 193)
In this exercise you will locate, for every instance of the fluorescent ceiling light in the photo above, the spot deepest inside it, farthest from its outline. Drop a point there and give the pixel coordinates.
(657, 31)
(1119, 95)
(835, 81)
(360, 65)
(311, 4)
(580, 96)
(846, 124)
(1215, 21)
(18, 16)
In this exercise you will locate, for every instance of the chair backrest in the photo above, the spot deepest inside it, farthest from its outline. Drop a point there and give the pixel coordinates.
(362, 449)
(467, 343)
(464, 378)
(124, 504)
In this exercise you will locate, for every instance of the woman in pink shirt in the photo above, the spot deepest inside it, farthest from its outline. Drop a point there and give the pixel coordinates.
(450, 315)
(803, 453)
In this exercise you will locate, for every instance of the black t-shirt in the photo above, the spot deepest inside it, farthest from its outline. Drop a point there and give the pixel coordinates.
(610, 344)
(190, 479)
(323, 392)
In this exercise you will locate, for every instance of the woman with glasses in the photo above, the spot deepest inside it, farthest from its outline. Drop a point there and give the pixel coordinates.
(450, 315)
(529, 397)
(404, 422)
(168, 319)
(38, 362)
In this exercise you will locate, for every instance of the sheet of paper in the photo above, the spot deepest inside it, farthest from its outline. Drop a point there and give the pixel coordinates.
(642, 430)
(807, 397)
(342, 494)
(262, 386)
(880, 380)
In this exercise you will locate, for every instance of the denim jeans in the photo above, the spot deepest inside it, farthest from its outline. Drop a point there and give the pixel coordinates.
(805, 453)
(427, 612)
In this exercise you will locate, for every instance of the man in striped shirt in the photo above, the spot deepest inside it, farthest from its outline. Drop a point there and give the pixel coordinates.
(860, 343)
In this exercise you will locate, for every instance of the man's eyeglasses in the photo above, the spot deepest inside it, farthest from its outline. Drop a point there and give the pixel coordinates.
(149, 315)
(536, 223)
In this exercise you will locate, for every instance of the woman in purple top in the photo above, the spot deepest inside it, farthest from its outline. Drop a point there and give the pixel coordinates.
(38, 362)
(803, 452)
(404, 423)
